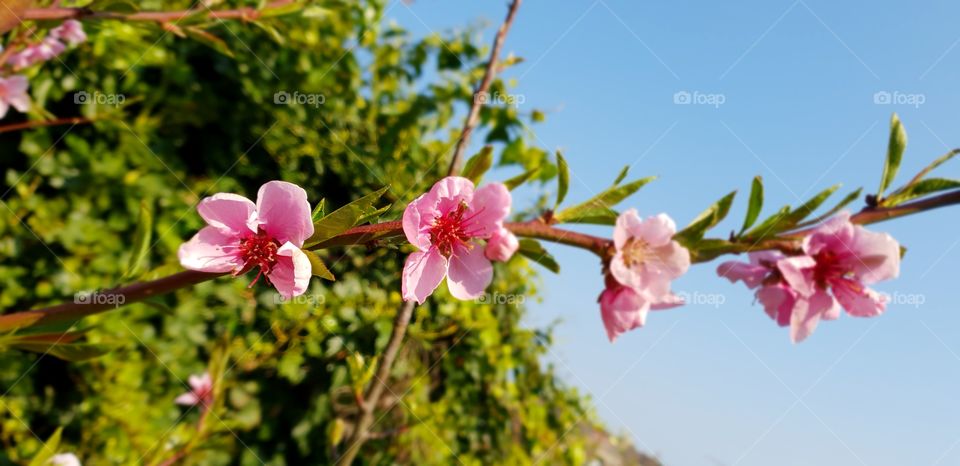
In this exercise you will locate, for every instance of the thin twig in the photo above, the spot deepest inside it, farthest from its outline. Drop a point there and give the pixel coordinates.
(61, 13)
(42, 123)
(479, 96)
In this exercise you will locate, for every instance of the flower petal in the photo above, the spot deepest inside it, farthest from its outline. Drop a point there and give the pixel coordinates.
(422, 273)
(450, 192)
(490, 206)
(622, 309)
(778, 302)
(878, 256)
(187, 399)
(291, 274)
(796, 271)
(501, 246)
(658, 230)
(628, 276)
(417, 219)
(210, 251)
(752, 275)
(857, 299)
(284, 212)
(470, 272)
(231, 214)
(807, 314)
(671, 260)
(628, 223)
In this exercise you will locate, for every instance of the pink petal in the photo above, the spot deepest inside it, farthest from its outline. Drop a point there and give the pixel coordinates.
(752, 275)
(622, 309)
(627, 226)
(422, 273)
(627, 276)
(796, 271)
(658, 230)
(501, 246)
(284, 212)
(450, 192)
(291, 274)
(490, 206)
(807, 314)
(231, 214)
(210, 251)
(4, 108)
(857, 299)
(187, 399)
(671, 260)
(878, 256)
(470, 273)
(778, 302)
(418, 217)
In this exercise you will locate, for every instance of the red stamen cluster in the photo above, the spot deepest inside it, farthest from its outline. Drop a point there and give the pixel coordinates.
(447, 230)
(259, 250)
(828, 267)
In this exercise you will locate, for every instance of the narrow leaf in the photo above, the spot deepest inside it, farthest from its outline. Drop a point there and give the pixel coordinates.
(622, 175)
(518, 180)
(755, 204)
(141, 242)
(563, 179)
(49, 449)
(769, 226)
(843, 203)
(895, 148)
(706, 220)
(72, 352)
(344, 218)
(477, 165)
(319, 268)
(320, 210)
(922, 188)
(802, 212)
(605, 200)
(533, 250)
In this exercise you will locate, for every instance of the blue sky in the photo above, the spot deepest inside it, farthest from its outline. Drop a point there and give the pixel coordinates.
(721, 384)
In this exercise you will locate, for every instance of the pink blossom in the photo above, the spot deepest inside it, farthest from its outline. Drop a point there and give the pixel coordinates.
(64, 459)
(623, 308)
(647, 257)
(13, 93)
(445, 224)
(42, 51)
(777, 297)
(201, 391)
(502, 245)
(70, 31)
(841, 258)
(241, 235)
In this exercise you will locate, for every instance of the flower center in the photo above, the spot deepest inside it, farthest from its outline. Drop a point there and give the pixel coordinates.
(448, 231)
(635, 251)
(828, 267)
(259, 250)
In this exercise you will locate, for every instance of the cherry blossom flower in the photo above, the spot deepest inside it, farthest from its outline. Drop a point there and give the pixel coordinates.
(241, 235)
(622, 308)
(48, 48)
(64, 459)
(201, 391)
(502, 245)
(13, 93)
(647, 258)
(70, 31)
(841, 258)
(445, 224)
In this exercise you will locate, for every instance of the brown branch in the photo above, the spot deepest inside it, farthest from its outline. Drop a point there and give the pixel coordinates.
(42, 123)
(479, 96)
(62, 13)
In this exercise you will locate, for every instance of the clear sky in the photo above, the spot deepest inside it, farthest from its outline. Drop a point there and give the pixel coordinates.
(721, 384)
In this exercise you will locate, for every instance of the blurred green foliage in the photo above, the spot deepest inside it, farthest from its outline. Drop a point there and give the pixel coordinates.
(469, 385)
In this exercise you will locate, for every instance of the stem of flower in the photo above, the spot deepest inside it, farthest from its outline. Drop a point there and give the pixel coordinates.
(62, 13)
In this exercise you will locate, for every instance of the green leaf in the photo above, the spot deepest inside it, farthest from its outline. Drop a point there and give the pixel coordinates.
(895, 148)
(320, 210)
(622, 175)
(518, 180)
(706, 220)
(922, 188)
(344, 218)
(601, 203)
(478, 165)
(73, 352)
(755, 205)
(141, 242)
(563, 179)
(49, 449)
(802, 212)
(843, 203)
(708, 249)
(210, 40)
(319, 268)
(533, 250)
(769, 225)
